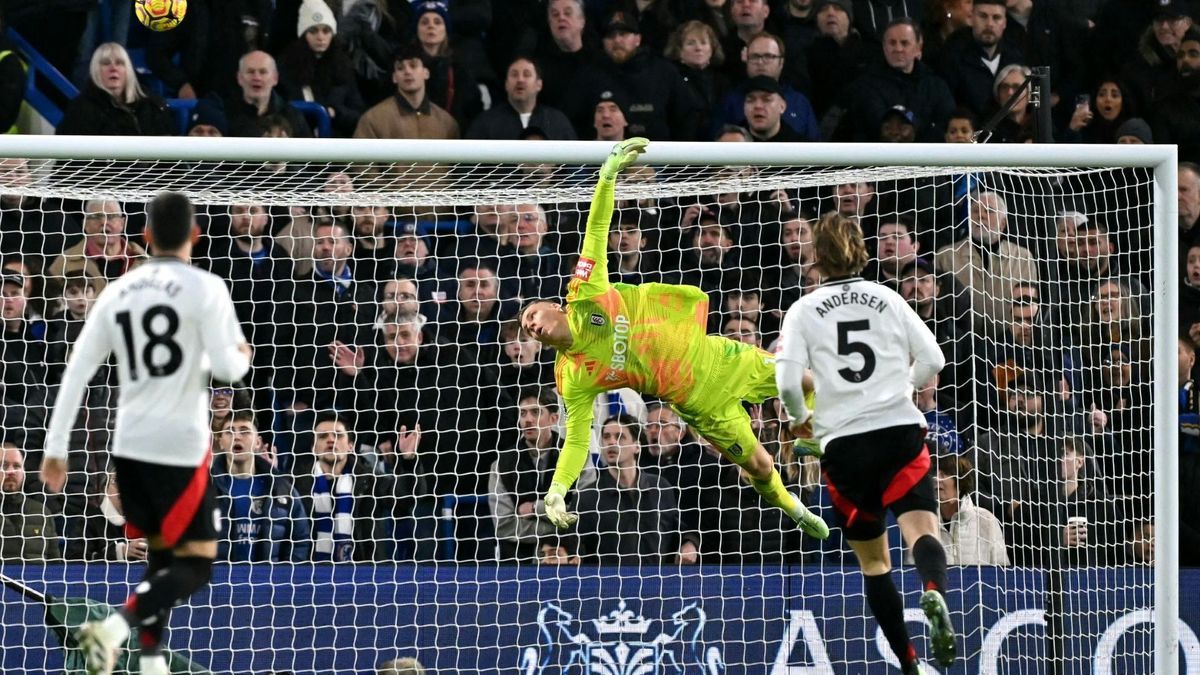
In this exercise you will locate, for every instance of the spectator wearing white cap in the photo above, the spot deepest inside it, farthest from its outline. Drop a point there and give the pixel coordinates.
(317, 68)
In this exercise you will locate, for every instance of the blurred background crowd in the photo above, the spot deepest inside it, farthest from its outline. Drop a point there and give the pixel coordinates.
(396, 412)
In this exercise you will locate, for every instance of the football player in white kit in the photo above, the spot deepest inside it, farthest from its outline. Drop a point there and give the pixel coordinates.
(867, 349)
(172, 328)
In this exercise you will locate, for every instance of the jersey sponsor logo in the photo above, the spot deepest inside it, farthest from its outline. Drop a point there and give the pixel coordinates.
(583, 268)
(597, 320)
(620, 348)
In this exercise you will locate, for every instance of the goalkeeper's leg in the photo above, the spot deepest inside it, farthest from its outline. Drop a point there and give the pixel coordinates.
(730, 432)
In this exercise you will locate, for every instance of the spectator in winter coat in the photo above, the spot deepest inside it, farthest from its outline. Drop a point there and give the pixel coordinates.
(697, 53)
(765, 56)
(903, 80)
(1177, 112)
(674, 454)
(521, 475)
(113, 103)
(27, 531)
(453, 83)
(837, 57)
(521, 110)
(261, 513)
(528, 267)
(103, 254)
(764, 108)
(988, 262)
(316, 68)
(257, 102)
(328, 306)
(568, 49)
(630, 516)
(1151, 68)
(661, 105)
(973, 57)
(350, 506)
(971, 534)
(1070, 521)
(410, 113)
(251, 264)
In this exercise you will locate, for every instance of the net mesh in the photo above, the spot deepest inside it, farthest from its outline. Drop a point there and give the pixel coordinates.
(386, 294)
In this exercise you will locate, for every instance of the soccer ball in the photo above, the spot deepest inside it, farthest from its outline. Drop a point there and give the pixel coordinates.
(160, 15)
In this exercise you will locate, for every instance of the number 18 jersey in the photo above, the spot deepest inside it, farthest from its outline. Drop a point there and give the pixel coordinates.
(171, 327)
(860, 340)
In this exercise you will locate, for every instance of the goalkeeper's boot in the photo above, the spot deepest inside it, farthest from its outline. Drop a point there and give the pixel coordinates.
(100, 641)
(809, 522)
(154, 664)
(914, 668)
(941, 629)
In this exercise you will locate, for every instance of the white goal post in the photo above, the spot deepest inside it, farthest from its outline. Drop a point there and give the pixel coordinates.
(61, 167)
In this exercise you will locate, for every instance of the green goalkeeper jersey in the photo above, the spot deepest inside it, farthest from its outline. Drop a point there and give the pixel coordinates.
(650, 338)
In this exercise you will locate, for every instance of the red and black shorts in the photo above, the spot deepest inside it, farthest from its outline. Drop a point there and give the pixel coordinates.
(174, 502)
(871, 472)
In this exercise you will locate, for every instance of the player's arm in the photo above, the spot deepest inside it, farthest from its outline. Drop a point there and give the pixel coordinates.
(571, 459)
(222, 337)
(927, 357)
(90, 350)
(791, 367)
(591, 274)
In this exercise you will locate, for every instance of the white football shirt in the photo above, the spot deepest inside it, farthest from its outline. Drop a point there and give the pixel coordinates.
(867, 349)
(171, 326)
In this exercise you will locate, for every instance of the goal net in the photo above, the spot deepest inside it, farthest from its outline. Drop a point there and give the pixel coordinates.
(380, 471)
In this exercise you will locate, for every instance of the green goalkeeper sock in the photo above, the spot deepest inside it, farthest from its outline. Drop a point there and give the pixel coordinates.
(773, 491)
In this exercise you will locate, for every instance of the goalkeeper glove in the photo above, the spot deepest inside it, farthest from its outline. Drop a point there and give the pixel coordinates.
(556, 506)
(624, 153)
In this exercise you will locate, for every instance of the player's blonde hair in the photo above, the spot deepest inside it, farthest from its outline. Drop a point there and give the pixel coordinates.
(839, 246)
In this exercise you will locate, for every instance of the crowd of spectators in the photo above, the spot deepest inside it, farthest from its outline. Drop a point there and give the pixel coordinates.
(1122, 71)
(389, 372)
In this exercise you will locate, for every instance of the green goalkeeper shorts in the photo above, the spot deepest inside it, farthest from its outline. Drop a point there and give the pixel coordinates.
(742, 373)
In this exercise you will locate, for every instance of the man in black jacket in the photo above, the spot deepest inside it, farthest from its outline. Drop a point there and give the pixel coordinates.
(257, 100)
(328, 307)
(566, 50)
(506, 121)
(902, 80)
(251, 264)
(661, 104)
(1177, 118)
(972, 57)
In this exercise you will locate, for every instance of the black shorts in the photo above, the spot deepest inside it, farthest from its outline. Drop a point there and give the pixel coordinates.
(174, 502)
(870, 472)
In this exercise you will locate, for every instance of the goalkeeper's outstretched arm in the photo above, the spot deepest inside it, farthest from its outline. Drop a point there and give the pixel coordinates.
(591, 273)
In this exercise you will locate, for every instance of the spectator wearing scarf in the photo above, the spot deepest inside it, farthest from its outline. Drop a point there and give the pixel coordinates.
(351, 507)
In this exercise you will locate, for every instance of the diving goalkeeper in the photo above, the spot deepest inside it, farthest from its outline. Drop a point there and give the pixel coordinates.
(651, 338)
